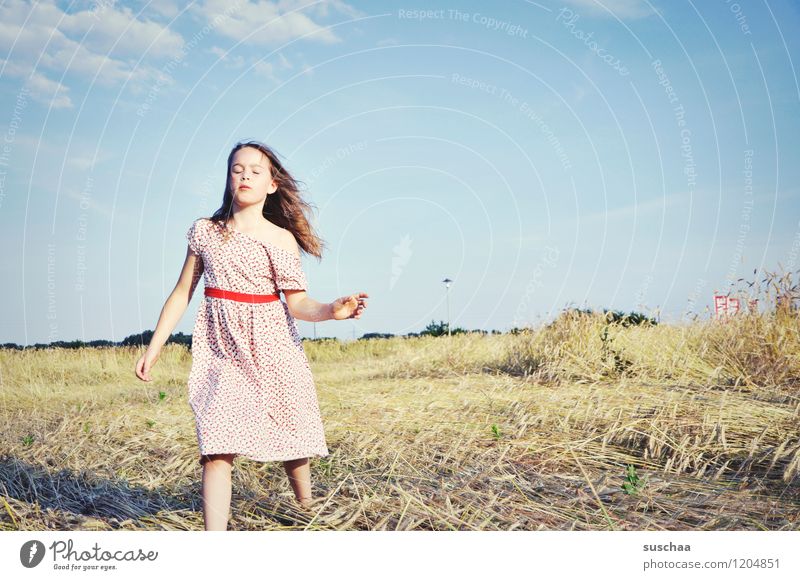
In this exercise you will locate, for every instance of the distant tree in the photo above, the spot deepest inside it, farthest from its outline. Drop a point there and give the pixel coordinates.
(435, 329)
(141, 339)
(524, 330)
(144, 338)
(618, 316)
(440, 329)
(371, 335)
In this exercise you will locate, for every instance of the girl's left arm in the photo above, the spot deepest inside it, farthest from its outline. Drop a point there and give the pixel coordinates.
(302, 307)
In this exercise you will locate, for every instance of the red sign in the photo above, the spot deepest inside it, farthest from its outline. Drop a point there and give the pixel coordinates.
(720, 306)
(725, 306)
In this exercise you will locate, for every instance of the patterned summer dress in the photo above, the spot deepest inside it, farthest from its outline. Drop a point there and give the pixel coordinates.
(250, 386)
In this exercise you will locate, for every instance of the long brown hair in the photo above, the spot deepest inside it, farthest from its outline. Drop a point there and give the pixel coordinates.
(285, 207)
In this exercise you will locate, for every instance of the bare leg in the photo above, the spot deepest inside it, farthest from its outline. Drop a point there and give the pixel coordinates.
(299, 473)
(217, 491)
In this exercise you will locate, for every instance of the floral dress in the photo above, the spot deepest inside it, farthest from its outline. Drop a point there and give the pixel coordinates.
(250, 385)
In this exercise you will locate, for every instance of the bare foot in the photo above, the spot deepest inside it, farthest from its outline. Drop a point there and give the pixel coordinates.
(309, 503)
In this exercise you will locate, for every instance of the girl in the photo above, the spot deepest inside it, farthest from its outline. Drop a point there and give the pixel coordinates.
(250, 385)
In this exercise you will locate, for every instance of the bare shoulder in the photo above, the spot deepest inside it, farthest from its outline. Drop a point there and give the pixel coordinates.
(288, 242)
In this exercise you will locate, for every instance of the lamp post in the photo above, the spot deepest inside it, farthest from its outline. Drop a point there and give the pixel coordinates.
(447, 282)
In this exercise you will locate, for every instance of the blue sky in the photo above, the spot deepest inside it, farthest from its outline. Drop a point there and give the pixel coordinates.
(619, 154)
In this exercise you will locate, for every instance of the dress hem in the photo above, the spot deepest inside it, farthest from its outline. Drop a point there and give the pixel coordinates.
(263, 460)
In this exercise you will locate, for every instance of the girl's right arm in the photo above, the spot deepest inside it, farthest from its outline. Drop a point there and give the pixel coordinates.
(171, 313)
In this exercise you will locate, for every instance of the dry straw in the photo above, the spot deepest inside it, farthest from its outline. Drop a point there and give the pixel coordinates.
(527, 431)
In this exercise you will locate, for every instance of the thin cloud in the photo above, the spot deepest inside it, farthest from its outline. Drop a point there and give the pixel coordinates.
(42, 41)
(88, 202)
(230, 60)
(41, 89)
(274, 23)
(639, 209)
(623, 9)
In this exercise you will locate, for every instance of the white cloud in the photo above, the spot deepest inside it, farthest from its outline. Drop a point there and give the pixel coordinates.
(268, 69)
(321, 9)
(87, 160)
(230, 60)
(120, 33)
(43, 41)
(639, 209)
(165, 8)
(578, 93)
(622, 9)
(87, 201)
(42, 90)
(264, 69)
(262, 22)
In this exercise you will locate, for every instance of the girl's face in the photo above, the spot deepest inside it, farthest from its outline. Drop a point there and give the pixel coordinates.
(251, 176)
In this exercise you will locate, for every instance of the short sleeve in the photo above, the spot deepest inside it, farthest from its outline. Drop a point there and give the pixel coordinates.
(194, 236)
(290, 273)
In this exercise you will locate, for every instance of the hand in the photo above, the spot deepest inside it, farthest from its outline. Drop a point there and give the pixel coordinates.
(349, 306)
(144, 365)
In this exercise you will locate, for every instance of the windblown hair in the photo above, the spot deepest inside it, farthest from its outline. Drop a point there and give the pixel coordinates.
(285, 207)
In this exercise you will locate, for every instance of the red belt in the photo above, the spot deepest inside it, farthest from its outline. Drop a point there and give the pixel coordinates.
(240, 296)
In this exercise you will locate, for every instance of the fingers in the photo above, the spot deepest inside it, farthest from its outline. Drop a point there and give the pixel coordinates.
(143, 370)
(356, 302)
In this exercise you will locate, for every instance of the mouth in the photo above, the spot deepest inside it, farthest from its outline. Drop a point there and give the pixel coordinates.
(244, 187)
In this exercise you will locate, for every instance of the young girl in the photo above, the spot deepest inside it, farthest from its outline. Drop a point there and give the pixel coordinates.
(250, 386)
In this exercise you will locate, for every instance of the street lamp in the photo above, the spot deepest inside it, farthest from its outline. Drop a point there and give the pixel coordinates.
(447, 282)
